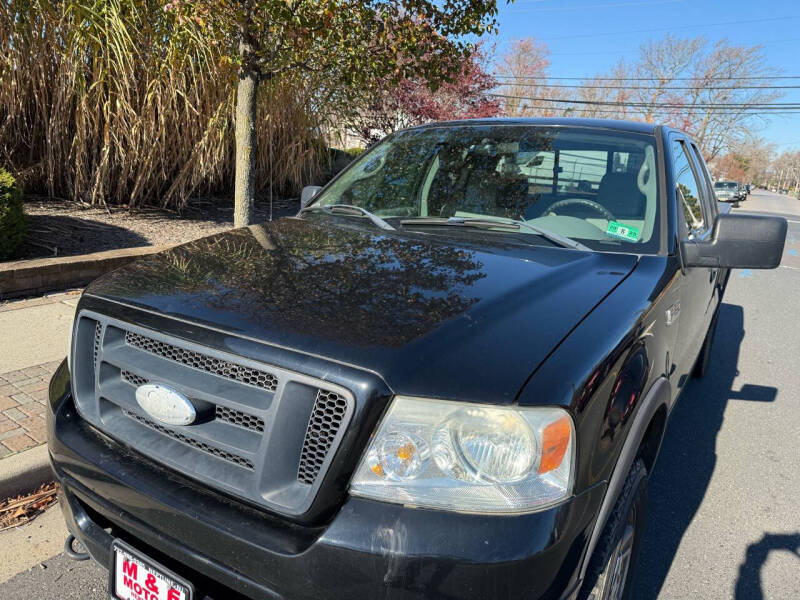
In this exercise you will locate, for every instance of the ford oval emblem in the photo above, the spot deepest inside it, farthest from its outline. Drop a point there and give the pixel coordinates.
(165, 404)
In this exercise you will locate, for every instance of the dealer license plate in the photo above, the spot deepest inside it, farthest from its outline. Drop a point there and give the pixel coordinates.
(135, 577)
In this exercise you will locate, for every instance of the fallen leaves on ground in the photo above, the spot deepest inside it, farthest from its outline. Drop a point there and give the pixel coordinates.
(24, 509)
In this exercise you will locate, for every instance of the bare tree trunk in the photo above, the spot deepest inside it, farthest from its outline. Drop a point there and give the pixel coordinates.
(244, 194)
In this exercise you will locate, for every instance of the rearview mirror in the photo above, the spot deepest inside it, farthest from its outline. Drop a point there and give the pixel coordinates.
(739, 242)
(307, 195)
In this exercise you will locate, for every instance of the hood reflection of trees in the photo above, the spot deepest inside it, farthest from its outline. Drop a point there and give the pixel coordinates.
(318, 280)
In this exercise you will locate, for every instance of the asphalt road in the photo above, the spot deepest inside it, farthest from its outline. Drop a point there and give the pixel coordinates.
(724, 514)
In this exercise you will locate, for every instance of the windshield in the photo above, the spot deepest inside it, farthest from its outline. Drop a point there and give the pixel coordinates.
(597, 187)
(726, 185)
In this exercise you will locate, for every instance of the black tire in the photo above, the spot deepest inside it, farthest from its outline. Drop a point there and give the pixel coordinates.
(704, 358)
(629, 511)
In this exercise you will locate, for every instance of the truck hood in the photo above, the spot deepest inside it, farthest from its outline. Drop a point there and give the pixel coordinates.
(433, 316)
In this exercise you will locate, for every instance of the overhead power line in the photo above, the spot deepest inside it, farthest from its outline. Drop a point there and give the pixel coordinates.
(656, 113)
(748, 106)
(632, 110)
(626, 112)
(719, 78)
(646, 88)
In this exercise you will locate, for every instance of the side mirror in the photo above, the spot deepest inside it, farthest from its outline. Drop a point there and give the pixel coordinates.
(307, 195)
(739, 242)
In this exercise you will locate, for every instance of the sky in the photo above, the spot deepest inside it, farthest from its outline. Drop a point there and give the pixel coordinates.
(587, 37)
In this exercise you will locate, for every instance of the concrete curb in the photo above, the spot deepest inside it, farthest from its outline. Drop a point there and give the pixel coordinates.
(24, 472)
(26, 277)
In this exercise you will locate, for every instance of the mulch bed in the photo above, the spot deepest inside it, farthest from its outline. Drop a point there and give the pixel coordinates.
(24, 509)
(61, 228)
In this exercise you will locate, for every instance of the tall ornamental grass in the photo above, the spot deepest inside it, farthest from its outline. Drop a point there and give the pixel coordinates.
(116, 101)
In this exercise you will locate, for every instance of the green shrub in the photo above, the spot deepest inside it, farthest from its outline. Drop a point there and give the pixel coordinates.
(354, 152)
(12, 219)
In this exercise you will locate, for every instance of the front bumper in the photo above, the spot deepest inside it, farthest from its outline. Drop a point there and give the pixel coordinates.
(367, 550)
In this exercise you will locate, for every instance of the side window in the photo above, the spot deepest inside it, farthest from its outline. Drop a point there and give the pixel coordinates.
(710, 198)
(688, 191)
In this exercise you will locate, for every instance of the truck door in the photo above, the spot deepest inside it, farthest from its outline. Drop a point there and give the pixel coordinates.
(698, 284)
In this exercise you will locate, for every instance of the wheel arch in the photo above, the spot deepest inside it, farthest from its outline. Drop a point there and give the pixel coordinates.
(643, 439)
(654, 434)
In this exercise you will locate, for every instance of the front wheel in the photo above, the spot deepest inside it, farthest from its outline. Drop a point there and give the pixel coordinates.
(704, 357)
(613, 564)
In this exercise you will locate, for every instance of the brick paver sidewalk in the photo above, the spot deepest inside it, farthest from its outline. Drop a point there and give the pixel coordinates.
(23, 395)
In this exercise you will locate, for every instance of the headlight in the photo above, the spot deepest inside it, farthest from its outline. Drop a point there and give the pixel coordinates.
(468, 457)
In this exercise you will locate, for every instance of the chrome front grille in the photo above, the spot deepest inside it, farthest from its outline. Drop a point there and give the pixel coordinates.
(262, 432)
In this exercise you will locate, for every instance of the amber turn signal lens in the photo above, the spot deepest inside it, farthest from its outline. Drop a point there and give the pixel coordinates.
(555, 440)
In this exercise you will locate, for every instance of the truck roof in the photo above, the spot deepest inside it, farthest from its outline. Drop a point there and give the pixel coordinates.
(632, 126)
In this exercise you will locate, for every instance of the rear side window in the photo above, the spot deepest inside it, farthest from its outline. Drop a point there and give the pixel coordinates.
(688, 190)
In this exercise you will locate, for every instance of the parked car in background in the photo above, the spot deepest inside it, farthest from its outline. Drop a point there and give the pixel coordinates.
(727, 191)
(742, 192)
(448, 376)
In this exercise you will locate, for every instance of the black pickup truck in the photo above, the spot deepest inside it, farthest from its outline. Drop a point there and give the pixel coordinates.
(447, 377)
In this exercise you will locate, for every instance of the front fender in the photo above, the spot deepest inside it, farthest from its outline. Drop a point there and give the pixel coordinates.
(602, 369)
(612, 374)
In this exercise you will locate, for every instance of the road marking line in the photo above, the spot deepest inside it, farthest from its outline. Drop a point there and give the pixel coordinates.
(788, 267)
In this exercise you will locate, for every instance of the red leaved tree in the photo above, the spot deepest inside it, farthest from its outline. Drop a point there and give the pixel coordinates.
(415, 100)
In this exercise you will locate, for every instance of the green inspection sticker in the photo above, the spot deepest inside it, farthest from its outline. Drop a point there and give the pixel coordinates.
(629, 233)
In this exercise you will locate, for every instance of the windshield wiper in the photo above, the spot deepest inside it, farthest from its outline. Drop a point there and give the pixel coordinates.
(556, 238)
(350, 209)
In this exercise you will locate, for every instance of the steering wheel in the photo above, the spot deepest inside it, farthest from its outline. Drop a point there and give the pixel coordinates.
(584, 203)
